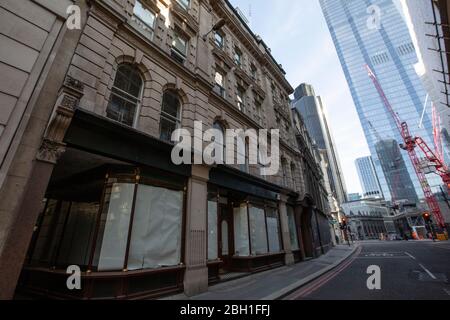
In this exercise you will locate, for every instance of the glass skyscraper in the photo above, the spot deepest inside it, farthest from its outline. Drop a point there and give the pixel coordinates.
(312, 110)
(368, 178)
(374, 32)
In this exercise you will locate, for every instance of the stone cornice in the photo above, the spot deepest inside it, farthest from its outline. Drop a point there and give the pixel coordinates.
(118, 13)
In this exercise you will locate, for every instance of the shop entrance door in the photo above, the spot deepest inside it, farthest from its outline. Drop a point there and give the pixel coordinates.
(225, 236)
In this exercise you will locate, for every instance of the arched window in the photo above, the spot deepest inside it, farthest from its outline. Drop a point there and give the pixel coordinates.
(262, 158)
(284, 172)
(243, 153)
(294, 173)
(125, 95)
(170, 115)
(221, 143)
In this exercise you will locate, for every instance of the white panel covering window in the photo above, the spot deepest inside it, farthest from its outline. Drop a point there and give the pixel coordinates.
(115, 236)
(225, 248)
(292, 228)
(241, 240)
(156, 235)
(258, 231)
(212, 231)
(273, 230)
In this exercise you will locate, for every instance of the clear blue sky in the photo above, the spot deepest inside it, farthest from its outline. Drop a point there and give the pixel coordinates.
(299, 38)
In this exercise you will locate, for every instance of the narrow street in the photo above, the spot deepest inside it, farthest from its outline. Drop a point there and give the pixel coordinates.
(409, 270)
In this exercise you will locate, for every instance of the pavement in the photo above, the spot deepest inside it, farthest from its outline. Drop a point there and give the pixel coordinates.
(409, 270)
(274, 284)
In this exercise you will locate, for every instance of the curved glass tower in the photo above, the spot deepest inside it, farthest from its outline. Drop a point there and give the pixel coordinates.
(374, 32)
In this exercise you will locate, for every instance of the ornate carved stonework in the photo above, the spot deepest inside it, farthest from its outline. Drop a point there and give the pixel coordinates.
(69, 102)
(74, 84)
(69, 96)
(50, 151)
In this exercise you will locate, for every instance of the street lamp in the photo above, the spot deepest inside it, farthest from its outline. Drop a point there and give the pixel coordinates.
(219, 24)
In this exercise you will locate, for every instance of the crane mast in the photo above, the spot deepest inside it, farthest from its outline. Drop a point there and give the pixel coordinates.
(409, 144)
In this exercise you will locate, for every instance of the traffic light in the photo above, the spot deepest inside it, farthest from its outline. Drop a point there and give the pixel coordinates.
(343, 223)
(427, 217)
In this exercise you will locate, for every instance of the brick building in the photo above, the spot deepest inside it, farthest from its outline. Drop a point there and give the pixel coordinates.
(86, 176)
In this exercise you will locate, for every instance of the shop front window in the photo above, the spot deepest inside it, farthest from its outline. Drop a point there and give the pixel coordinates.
(292, 228)
(156, 234)
(115, 222)
(66, 234)
(96, 235)
(212, 230)
(225, 249)
(273, 230)
(45, 242)
(241, 236)
(258, 231)
(78, 234)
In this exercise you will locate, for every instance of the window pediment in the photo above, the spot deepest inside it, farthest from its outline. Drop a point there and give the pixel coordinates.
(225, 62)
(259, 92)
(152, 5)
(243, 77)
(189, 24)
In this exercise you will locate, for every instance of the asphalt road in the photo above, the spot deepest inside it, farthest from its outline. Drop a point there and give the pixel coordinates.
(409, 271)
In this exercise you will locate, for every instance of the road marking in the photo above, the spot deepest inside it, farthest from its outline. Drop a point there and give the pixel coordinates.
(382, 258)
(379, 255)
(410, 255)
(442, 247)
(428, 271)
(317, 284)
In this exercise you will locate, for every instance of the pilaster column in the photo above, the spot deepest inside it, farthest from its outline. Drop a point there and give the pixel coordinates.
(299, 212)
(289, 257)
(52, 147)
(196, 276)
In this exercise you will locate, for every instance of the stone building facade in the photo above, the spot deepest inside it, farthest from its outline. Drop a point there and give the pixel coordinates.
(86, 176)
(367, 218)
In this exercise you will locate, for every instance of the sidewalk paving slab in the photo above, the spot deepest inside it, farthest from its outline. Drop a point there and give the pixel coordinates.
(276, 283)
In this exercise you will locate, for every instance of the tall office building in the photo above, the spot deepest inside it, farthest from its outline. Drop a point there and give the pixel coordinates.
(395, 170)
(311, 108)
(374, 32)
(368, 178)
(427, 22)
(351, 197)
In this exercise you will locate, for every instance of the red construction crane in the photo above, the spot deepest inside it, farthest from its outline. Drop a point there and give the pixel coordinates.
(409, 144)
